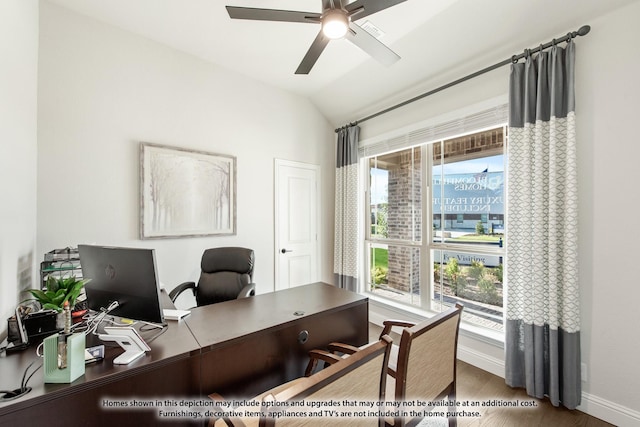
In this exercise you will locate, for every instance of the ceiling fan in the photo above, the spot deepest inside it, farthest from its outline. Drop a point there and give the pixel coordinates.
(336, 22)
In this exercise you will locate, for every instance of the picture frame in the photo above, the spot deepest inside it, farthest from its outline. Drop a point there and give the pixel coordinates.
(186, 193)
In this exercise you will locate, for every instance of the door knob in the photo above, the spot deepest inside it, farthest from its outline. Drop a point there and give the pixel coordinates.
(284, 251)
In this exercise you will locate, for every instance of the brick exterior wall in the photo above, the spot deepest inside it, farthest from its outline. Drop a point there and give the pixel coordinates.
(467, 145)
(404, 220)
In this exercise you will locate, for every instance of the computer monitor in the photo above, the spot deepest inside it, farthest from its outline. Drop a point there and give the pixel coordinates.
(125, 275)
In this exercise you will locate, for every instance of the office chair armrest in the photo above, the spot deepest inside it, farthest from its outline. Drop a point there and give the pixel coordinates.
(181, 288)
(317, 355)
(248, 291)
(338, 347)
(388, 324)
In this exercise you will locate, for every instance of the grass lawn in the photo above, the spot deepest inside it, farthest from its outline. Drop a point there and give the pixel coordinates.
(380, 257)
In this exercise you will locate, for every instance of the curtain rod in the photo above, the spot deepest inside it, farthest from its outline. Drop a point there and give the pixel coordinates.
(582, 31)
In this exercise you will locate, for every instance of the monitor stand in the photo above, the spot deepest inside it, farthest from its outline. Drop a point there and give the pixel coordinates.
(10, 347)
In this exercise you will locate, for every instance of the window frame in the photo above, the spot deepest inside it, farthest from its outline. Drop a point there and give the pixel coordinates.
(427, 244)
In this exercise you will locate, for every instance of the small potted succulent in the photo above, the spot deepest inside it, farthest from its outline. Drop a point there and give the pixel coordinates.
(58, 291)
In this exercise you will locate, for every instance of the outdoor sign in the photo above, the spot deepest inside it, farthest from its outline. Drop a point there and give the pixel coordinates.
(480, 193)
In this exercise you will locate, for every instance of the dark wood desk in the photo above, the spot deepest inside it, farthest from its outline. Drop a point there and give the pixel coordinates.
(239, 347)
(171, 367)
(253, 344)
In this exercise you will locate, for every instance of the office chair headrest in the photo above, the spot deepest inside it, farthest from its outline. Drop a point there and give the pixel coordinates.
(240, 260)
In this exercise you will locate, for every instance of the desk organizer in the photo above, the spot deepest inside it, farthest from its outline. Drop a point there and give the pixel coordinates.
(75, 359)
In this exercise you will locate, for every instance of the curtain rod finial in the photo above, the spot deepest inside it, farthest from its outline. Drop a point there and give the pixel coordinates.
(584, 30)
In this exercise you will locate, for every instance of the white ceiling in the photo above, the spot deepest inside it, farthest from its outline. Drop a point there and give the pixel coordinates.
(432, 37)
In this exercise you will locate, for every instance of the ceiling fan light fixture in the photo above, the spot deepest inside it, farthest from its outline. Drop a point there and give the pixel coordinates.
(335, 24)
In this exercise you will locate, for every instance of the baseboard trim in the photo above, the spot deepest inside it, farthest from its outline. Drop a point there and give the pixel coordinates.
(481, 360)
(609, 411)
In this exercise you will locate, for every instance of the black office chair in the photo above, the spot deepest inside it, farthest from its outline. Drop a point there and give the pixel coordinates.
(227, 274)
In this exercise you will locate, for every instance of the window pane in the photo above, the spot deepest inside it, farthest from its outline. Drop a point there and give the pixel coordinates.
(396, 195)
(395, 272)
(473, 279)
(379, 179)
(468, 189)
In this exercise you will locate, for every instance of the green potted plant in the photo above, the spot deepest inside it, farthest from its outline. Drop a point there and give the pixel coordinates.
(52, 299)
(59, 290)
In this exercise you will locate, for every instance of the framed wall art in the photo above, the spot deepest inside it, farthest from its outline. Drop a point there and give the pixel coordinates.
(186, 193)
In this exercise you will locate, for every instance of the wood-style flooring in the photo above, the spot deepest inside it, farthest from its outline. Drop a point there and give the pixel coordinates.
(477, 385)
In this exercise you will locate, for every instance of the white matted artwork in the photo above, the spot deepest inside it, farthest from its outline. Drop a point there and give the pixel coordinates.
(185, 193)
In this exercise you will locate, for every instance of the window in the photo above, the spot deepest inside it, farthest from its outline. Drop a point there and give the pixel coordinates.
(455, 188)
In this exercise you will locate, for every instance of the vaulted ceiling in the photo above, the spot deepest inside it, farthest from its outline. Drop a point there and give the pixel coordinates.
(432, 37)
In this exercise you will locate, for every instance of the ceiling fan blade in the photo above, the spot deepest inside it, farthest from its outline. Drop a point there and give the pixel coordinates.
(370, 6)
(313, 53)
(331, 4)
(365, 41)
(273, 15)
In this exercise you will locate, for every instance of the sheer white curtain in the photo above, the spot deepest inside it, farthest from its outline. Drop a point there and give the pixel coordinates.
(543, 303)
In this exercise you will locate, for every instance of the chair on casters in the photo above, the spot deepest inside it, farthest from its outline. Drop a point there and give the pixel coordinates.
(421, 367)
(226, 274)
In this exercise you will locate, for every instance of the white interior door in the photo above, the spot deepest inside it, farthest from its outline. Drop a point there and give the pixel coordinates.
(296, 223)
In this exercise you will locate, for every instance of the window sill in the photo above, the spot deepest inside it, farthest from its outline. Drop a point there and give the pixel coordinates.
(381, 309)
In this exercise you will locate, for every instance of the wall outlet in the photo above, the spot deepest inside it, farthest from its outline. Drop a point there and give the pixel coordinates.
(583, 372)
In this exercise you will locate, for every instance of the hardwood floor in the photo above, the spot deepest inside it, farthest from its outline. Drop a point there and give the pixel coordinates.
(477, 386)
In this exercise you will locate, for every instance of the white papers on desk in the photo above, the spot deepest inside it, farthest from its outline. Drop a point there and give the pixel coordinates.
(171, 314)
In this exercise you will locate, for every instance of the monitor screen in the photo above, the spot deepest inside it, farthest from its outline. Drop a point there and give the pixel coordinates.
(125, 275)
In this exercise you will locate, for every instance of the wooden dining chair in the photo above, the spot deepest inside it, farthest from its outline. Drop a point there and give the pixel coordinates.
(422, 366)
(359, 378)
(337, 350)
(426, 365)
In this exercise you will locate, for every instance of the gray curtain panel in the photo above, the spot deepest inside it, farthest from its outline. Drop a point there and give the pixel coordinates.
(543, 303)
(345, 261)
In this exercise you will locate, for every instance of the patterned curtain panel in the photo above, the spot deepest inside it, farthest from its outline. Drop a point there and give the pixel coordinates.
(345, 261)
(543, 316)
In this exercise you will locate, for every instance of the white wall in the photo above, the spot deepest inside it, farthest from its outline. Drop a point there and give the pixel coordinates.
(607, 93)
(608, 90)
(18, 116)
(102, 90)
